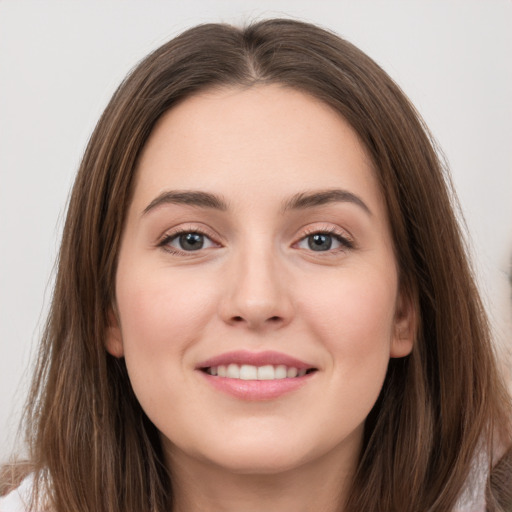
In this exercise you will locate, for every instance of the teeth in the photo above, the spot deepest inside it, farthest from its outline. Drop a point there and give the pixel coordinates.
(233, 371)
(280, 372)
(292, 372)
(250, 372)
(266, 372)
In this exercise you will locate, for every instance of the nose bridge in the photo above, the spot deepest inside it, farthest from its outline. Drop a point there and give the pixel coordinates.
(257, 296)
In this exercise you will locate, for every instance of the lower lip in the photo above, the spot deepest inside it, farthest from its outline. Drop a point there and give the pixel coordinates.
(257, 389)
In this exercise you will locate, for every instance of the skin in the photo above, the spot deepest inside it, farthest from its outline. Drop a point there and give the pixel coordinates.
(257, 285)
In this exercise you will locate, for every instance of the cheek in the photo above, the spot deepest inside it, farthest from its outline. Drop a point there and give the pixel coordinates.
(350, 316)
(162, 314)
(353, 314)
(162, 307)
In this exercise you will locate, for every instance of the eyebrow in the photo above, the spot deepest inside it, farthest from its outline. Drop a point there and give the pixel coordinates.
(300, 201)
(191, 198)
(305, 200)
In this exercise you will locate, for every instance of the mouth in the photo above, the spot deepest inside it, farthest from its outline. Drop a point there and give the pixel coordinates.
(256, 375)
(253, 372)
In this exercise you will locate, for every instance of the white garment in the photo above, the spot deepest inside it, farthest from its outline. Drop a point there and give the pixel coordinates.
(19, 499)
(472, 497)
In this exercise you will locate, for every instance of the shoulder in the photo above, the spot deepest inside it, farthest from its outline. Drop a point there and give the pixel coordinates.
(18, 500)
(472, 498)
(474, 492)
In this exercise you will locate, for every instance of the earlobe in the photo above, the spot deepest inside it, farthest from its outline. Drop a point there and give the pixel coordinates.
(113, 337)
(405, 326)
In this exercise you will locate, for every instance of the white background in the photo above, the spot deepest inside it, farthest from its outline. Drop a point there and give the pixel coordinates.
(60, 62)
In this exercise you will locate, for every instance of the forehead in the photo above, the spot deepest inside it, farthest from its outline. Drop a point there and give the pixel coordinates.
(266, 138)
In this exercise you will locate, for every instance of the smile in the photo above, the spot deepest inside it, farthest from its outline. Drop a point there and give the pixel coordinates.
(251, 372)
(256, 375)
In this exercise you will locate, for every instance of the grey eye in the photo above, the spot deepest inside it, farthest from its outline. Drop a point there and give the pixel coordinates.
(319, 242)
(190, 241)
(324, 242)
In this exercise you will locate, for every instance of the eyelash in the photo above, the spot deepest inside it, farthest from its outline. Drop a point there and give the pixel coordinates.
(345, 242)
(170, 237)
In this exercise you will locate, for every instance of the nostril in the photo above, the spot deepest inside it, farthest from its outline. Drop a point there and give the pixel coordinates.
(273, 319)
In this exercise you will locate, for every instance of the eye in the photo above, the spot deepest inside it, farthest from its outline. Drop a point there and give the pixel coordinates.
(187, 241)
(324, 241)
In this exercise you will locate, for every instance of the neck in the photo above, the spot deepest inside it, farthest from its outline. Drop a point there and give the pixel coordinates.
(321, 485)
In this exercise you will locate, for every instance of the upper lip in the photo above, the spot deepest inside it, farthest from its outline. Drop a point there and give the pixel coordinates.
(268, 357)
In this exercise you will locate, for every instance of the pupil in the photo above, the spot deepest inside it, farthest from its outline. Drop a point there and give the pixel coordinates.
(320, 242)
(191, 241)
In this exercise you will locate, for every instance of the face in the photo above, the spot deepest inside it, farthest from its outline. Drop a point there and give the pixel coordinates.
(257, 299)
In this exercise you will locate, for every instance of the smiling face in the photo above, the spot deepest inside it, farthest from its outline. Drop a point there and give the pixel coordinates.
(257, 299)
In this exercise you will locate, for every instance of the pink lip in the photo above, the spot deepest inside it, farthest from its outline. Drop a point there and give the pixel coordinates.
(254, 359)
(255, 390)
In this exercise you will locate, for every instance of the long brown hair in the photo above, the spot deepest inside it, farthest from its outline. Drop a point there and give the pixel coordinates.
(92, 446)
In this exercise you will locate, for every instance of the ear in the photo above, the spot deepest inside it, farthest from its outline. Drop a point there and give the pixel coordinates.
(113, 336)
(405, 325)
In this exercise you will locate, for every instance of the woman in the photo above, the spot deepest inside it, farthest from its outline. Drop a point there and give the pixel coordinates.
(263, 300)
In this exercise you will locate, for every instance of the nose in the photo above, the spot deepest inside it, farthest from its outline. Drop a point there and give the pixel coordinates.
(257, 294)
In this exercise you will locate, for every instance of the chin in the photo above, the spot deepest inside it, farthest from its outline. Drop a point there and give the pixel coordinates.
(248, 461)
(266, 454)
(264, 447)
(253, 453)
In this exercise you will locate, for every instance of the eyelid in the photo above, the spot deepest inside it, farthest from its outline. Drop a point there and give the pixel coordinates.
(344, 237)
(176, 231)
